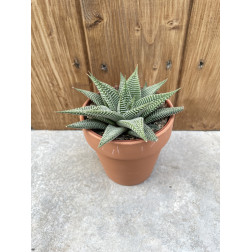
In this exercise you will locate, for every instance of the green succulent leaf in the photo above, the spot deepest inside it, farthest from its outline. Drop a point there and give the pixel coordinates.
(78, 111)
(102, 119)
(122, 82)
(110, 133)
(151, 136)
(154, 101)
(125, 94)
(155, 97)
(135, 112)
(96, 98)
(152, 89)
(131, 104)
(143, 88)
(99, 114)
(96, 112)
(148, 132)
(134, 85)
(136, 124)
(109, 95)
(88, 124)
(162, 113)
(121, 107)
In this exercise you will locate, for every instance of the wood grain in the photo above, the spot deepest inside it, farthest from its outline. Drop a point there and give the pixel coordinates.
(200, 92)
(59, 61)
(69, 38)
(121, 34)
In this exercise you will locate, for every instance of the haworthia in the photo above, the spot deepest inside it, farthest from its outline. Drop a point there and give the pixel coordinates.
(109, 114)
(156, 101)
(129, 108)
(78, 111)
(152, 89)
(135, 112)
(96, 98)
(109, 95)
(155, 97)
(125, 94)
(162, 113)
(122, 106)
(134, 85)
(102, 119)
(110, 133)
(122, 82)
(132, 103)
(142, 90)
(148, 132)
(137, 125)
(88, 124)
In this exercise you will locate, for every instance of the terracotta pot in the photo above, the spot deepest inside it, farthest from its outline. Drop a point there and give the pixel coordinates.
(129, 162)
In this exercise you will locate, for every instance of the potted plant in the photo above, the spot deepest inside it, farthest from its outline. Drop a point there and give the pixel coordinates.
(127, 127)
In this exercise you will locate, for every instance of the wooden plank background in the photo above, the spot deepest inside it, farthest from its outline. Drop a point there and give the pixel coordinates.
(200, 75)
(166, 38)
(59, 61)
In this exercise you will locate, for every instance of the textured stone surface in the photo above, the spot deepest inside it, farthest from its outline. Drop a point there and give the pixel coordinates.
(75, 207)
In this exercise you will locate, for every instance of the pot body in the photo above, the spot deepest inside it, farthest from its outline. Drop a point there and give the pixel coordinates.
(129, 162)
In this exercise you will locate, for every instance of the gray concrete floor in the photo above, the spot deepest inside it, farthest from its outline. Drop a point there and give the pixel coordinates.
(75, 207)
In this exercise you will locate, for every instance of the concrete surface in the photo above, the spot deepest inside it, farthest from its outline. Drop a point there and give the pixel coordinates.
(75, 207)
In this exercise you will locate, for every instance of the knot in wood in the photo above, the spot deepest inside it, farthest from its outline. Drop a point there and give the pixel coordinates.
(98, 20)
(168, 64)
(104, 67)
(155, 67)
(138, 27)
(201, 64)
(173, 24)
(76, 63)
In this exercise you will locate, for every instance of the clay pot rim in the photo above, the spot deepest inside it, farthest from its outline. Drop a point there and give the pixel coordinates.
(133, 141)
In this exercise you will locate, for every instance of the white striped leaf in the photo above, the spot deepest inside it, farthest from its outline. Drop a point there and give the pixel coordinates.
(96, 98)
(157, 100)
(122, 82)
(143, 88)
(79, 111)
(148, 132)
(136, 124)
(95, 112)
(152, 89)
(135, 112)
(155, 97)
(125, 94)
(109, 95)
(88, 124)
(110, 133)
(134, 85)
(162, 113)
(102, 119)
(131, 104)
(121, 107)
(109, 114)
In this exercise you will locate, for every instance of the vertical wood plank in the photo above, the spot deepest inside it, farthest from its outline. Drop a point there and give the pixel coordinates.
(121, 34)
(200, 93)
(59, 61)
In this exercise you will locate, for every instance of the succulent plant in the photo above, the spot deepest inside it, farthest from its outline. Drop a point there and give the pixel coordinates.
(129, 109)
